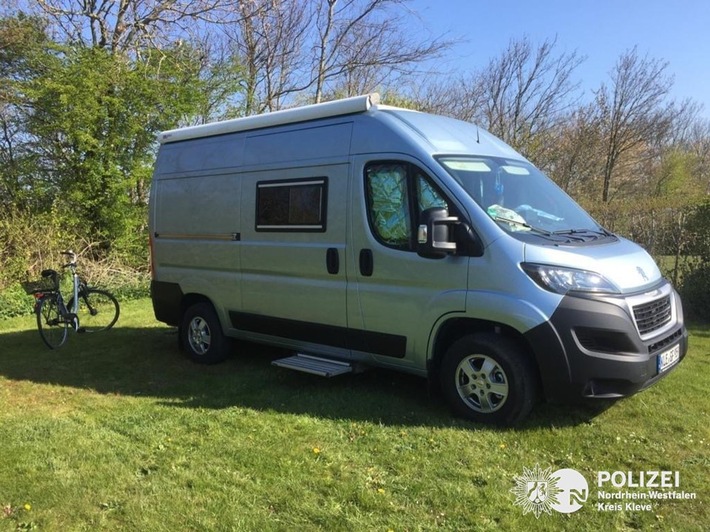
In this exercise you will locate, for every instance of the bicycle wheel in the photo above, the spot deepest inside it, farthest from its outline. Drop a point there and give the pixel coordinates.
(98, 310)
(52, 326)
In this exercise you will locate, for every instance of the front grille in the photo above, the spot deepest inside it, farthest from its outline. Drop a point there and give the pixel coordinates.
(653, 316)
(665, 342)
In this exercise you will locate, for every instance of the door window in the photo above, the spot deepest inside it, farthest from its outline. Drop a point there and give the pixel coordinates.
(397, 194)
(388, 202)
(427, 195)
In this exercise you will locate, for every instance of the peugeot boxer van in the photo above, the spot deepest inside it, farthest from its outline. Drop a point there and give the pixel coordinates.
(360, 235)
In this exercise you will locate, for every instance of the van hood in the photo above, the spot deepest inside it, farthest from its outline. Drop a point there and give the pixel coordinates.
(624, 263)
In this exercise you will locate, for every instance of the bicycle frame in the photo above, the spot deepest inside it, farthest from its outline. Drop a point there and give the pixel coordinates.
(75, 282)
(75, 287)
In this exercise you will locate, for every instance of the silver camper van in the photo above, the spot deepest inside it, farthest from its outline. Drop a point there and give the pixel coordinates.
(360, 235)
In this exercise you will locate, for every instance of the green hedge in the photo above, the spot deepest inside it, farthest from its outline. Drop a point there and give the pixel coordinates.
(695, 293)
(14, 301)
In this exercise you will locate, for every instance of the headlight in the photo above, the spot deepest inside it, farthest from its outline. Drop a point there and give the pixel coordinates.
(562, 280)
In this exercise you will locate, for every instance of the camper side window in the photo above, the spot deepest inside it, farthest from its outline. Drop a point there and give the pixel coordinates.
(293, 205)
(397, 194)
(387, 193)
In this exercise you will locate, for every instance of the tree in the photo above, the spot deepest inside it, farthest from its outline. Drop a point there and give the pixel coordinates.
(575, 153)
(269, 39)
(93, 124)
(526, 91)
(633, 110)
(24, 54)
(311, 50)
(521, 96)
(78, 125)
(360, 43)
(129, 25)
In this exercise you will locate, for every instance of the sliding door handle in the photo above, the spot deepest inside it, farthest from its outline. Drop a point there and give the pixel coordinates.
(332, 261)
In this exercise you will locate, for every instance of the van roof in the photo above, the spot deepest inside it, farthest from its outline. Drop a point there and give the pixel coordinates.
(356, 104)
(446, 135)
(442, 134)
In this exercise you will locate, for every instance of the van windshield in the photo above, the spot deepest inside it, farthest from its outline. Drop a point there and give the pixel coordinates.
(522, 199)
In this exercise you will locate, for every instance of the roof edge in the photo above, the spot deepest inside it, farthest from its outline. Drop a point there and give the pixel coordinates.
(356, 104)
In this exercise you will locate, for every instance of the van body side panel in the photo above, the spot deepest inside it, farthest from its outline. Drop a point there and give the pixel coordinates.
(200, 156)
(293, 273)
(293, 144)
(293, 262)
(196, 227)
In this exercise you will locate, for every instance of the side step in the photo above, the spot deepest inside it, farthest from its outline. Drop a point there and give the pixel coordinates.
(324, 367)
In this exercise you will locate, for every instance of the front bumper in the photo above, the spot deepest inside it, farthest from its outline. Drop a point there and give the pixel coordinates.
(599, 347)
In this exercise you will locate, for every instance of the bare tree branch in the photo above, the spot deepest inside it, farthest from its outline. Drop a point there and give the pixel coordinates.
(633, 109)
(526, 91)
(127, 24)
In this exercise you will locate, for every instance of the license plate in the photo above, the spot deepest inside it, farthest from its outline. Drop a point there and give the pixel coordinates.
(668, 358)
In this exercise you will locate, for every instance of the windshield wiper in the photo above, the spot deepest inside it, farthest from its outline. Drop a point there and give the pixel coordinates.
(579, 232)
(584, 235)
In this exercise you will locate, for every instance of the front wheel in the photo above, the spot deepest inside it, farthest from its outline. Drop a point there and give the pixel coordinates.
(489, 379)
(53, 328)
(98, 310)
(201, 335)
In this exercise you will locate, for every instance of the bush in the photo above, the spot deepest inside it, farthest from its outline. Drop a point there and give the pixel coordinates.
(699, 228)
(31, 243)
(695, 292)
(14, 302)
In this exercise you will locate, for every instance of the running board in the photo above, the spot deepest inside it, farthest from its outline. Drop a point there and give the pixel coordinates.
(324, 367)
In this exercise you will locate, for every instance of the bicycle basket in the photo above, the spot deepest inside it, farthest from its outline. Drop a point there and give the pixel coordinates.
(46, 284)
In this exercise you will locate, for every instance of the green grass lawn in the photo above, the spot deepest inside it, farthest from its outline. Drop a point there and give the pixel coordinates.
(118, 431)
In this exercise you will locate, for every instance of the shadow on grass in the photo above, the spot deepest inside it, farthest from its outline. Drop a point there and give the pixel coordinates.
(146, 363)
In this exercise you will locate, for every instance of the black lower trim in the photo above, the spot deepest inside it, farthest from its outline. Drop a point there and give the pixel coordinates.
(166, 301)
(378, 343)
(590, 348)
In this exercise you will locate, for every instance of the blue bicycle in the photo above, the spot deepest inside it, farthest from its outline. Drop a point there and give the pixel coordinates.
(88, 310)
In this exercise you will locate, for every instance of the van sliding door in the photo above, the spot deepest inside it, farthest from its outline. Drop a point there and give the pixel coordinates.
(293, 258)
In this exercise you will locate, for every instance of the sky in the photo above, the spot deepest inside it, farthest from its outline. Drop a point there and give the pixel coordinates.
(677, 32)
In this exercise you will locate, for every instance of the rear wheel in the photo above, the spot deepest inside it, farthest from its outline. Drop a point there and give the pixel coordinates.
(201, 335)
(53, 328)
(489, 379)
(98, 310)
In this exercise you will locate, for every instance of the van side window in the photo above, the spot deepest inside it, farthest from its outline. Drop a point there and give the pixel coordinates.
(397, 194)
(389, 203)
(427, 194)
(293, 205)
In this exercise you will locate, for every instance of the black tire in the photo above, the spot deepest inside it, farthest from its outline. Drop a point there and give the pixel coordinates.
(98, 310)
(488, 378)
(52, 327)
(201, 335)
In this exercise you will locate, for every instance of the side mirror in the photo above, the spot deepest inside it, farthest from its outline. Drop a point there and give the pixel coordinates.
(435, 235)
